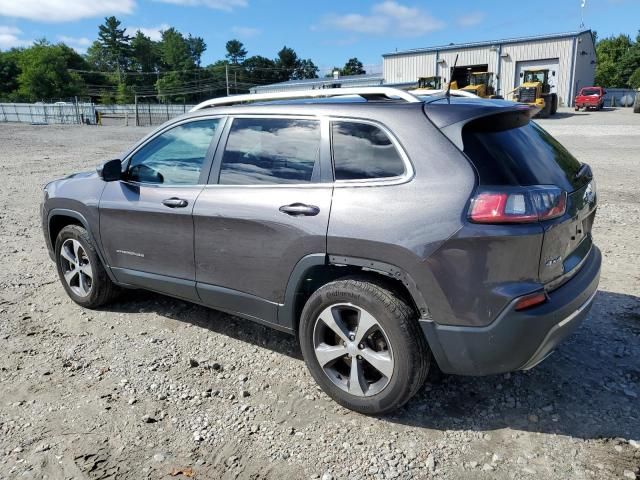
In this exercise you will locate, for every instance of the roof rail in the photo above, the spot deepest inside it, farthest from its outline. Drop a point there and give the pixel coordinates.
(365, 92)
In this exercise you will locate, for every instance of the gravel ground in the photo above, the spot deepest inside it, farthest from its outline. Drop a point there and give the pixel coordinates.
(152, 386)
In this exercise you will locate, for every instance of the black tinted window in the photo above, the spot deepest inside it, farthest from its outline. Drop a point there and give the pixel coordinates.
(271, 150)
(174, 157)
(526, 155)
(362, 151)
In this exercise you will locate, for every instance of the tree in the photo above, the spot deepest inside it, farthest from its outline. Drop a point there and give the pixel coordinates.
(97, 57)
(630, 61)
(609, 52)
(353, 67)
(236, 52)
(287, 62)
(45, 72)
(9, 71)
(618, 59)
(174, 51)
(306, 69)
(634, 79)
(115, 44)
(124, 93)
(196, 48)
(260, 70)
(144, 53)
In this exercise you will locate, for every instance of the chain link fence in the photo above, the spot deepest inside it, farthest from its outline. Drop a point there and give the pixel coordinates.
(46, 113)
(140, 114)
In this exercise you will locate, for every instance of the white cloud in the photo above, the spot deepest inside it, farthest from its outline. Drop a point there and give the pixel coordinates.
(64, 10)
(10, 37)
(79, 44)
(225, 5)
(246, 32)
(386, 18)
(471, 19)
(154, 33)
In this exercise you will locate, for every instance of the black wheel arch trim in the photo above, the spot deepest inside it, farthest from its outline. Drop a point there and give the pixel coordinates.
(388, 270)
(63, 212)
(287, 311)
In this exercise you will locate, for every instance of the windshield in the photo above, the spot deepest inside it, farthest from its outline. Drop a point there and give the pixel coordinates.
(479, 79)
(587, 92)
(431, 82)
(531, 77)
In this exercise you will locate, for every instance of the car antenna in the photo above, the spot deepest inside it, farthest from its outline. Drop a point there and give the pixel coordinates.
(451, 75)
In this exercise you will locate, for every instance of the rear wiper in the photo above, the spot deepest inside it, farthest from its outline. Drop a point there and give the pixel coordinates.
(583, 172)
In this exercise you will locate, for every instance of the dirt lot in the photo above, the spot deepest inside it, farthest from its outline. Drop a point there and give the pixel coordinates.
(151, 384)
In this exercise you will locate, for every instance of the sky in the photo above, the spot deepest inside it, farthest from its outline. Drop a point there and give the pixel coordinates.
(327, 32)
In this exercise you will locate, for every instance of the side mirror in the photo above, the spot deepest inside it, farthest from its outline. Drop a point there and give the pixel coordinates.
(553, 73)
(111, 171)
(521, 74)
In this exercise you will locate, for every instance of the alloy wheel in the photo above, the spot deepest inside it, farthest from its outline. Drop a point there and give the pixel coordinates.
(76, 267)
(353, 350)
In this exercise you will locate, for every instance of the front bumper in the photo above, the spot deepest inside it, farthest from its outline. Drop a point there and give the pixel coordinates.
(517, 340)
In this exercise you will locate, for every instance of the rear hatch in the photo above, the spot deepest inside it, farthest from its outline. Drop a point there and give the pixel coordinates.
(510, 151)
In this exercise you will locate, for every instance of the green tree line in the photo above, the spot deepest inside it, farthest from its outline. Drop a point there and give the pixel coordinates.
(618, 64)
(118, 66)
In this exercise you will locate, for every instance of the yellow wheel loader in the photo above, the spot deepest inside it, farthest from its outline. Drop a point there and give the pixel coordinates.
(535, 90)
(428, 83)
(481, 84)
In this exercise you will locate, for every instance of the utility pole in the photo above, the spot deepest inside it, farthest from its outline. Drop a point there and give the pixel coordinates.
(226, 74)
(136, 103)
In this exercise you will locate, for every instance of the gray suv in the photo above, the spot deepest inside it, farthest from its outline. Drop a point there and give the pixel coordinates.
(386, 231)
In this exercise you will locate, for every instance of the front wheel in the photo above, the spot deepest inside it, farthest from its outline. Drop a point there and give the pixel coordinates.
(80, 270)
(363, 345)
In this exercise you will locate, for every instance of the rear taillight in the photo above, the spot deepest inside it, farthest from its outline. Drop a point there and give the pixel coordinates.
(523, 205)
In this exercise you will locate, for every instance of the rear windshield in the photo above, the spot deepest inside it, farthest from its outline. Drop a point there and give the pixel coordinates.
(514, 151)
(587, 92)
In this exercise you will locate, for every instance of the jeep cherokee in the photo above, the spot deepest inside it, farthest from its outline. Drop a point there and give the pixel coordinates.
(387, 231)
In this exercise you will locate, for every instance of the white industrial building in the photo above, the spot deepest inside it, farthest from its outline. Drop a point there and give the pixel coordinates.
(336, 81)
(570, 55)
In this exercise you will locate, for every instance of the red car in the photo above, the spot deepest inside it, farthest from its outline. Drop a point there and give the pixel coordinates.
(590, 97)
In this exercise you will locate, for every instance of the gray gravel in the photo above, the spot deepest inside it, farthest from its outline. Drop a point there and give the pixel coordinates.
(152, 386)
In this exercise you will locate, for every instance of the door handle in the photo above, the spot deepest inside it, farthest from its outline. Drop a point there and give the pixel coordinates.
(175, 202)
(296, 209)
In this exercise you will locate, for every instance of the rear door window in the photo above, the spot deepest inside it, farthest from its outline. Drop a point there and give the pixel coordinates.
(362, 151)
(520, 155)
(271, 151)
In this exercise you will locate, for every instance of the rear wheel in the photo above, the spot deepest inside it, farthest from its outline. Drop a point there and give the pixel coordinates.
(546, 110)
(80, 270)
(554, 103)
(363, 345)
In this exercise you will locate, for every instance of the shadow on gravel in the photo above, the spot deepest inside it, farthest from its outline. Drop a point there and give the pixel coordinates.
(135, 301)
(589, 388)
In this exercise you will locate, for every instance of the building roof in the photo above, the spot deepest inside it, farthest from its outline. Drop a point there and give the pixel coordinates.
(487, 43)
(327, 80)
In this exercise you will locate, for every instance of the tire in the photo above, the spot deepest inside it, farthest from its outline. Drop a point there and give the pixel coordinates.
(546, 111)
(393, 335)
(88, 285)
(554, 104)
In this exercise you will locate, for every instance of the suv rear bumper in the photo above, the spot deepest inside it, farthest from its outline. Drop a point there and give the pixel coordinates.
(516, 340)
